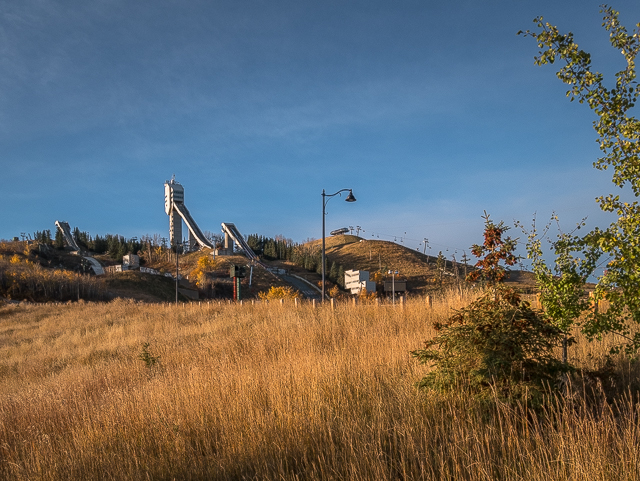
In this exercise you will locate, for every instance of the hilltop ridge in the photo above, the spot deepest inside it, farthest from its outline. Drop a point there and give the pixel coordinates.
(347, 251)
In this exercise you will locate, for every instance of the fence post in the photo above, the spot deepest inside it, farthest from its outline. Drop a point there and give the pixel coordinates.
(401, 302)
(429, 301)
(313, 303)
(295, 301)
(593, 302)
(282, 302)
(355, 301)
(333, 304)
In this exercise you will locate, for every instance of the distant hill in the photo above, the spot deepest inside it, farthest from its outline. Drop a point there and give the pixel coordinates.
(348, 251)
(420, 270)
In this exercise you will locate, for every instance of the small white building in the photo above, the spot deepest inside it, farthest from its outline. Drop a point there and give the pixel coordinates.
(355, 281)
(130, 261)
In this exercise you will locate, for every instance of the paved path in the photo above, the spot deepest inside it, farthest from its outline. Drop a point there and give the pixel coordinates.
(305, 289)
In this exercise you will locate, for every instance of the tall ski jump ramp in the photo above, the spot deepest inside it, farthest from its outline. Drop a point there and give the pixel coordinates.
(177, 211)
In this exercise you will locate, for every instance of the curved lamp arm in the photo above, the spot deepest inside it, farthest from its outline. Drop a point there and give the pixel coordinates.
(325, 199)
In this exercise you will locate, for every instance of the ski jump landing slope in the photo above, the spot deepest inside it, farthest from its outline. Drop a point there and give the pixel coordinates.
(192, 226)
(71, 242)
(227, 227)
(66, 233)
(232, 231)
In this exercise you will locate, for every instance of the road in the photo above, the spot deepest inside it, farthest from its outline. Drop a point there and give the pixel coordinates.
(305, 289)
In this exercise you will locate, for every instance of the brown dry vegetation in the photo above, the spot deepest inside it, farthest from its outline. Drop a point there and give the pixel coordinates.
(276, 392)
(374, 255)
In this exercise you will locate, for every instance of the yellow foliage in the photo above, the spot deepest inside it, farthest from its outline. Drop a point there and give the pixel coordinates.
(15, 259)
(206, 263)
(377, 276)
(367, 296)
(279, 293)
(334, 291)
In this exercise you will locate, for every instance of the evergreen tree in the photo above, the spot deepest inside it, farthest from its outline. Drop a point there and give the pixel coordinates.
(59, 240)
(340, 279)
(114, 246)
(270, 251)
(100, 245)
(333, 272)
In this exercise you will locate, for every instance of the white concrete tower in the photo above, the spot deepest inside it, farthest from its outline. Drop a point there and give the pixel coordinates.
(173, 194)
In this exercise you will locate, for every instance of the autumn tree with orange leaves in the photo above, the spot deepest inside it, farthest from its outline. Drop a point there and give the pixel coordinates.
(492, 252)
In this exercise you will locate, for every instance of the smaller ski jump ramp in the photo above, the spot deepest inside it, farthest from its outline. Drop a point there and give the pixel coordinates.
(232, 231)
(66, 233)
(71, 242)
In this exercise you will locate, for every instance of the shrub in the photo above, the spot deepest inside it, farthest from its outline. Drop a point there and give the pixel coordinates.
(497, 344)
(279, 293)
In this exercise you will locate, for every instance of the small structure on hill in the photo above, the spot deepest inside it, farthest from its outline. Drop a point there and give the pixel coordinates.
(395, 285)
(131, 261)
(342, 231)
(355, 281)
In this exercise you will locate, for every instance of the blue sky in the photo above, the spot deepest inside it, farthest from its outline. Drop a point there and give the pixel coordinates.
(432, 112)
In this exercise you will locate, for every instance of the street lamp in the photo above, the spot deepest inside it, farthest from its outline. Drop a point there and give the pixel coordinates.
(325, 199)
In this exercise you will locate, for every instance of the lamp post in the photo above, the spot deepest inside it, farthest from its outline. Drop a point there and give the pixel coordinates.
(177, 270)
(178, 246)
(325, 199)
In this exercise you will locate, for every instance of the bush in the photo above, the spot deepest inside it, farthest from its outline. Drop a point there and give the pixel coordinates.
(279, 293)
(498, 346)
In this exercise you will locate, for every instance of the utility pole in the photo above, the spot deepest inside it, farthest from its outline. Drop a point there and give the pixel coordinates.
(465, 259)
(455, 267)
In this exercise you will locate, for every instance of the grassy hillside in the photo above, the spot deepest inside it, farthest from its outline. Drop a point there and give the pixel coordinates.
(276, 392)
(374, 255)
(37, 273)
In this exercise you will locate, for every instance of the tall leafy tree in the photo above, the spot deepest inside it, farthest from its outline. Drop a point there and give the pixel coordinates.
(618, 136)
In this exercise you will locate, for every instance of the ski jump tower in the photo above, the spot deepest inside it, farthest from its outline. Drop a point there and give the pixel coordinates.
(173, 193)
(178, 212)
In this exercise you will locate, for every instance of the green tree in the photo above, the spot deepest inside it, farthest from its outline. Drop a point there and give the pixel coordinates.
(58, 243)
(270, 249)
(619, 140)
(340, 279)
(100, 245)
(114, 246)
(561, 287)
(333, 272)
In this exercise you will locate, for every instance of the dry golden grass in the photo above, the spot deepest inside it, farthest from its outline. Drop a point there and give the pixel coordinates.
(271, 391)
